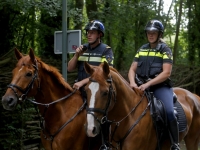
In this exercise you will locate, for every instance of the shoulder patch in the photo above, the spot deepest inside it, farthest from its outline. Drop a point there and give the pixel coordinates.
(169, 55)
(108, 46)
(109, 59)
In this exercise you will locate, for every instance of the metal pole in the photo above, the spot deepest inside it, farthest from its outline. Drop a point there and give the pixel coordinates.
(64, 39)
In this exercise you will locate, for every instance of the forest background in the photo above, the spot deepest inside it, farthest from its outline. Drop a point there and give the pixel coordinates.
(31, 24)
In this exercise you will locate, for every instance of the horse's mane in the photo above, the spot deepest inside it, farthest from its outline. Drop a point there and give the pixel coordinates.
(55, 73)
(125, 81)
(114, 70)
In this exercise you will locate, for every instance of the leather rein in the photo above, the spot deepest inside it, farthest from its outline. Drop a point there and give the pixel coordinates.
(117, 123)
(23, 97)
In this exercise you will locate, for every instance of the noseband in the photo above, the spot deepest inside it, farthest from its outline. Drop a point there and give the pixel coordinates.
(117, 123)
(27, 89)
(103, 111)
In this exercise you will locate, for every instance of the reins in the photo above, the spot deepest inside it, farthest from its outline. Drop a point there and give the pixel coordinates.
(42, 120)
(47, 106)
(131, 128)
(56, 101)
(62, 127)
(117, 123)
(27, 89)
(111, 92)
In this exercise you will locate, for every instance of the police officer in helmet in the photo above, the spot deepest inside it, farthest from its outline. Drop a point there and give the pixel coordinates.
(94, 52)
(153, 65)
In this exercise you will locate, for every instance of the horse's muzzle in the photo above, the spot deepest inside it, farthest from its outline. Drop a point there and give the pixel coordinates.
(9, 102)
(92, 131)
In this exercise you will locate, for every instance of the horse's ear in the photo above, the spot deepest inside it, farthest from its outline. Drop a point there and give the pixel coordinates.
(106, 68)
(88, 68)
(18, 54)
(32, 56)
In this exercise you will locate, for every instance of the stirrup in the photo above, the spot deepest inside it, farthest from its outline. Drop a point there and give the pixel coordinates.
(175, 147)
(104, 147)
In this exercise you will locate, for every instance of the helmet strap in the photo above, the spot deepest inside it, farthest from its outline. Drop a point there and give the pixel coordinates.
(97, 39)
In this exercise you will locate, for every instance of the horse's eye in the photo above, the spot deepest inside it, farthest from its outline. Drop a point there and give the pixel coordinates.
(105, 93)
(29, 74)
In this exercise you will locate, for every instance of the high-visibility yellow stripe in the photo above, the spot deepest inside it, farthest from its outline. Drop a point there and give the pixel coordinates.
(104, 59)
(152, 53)
(85, 58)
(93, 59)
(96, 59)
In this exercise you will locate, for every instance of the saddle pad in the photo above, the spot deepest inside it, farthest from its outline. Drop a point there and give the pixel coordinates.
(182, 122)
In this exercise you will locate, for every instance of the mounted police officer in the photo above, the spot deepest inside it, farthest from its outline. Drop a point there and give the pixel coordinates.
(94, 52)
(152, 67)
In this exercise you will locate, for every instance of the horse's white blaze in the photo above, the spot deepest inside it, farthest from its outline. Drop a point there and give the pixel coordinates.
(94, 87)
(21, 68)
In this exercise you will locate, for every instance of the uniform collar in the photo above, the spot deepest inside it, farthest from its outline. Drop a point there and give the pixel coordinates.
(93, 47)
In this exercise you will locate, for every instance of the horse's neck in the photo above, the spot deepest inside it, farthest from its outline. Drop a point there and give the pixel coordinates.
(56, 114)
(126, 98)
(50, 91)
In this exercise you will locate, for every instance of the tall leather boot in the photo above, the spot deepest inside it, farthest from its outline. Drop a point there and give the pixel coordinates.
(173, 128)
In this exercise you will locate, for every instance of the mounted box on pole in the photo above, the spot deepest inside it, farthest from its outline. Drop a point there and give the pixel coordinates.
(74, 41)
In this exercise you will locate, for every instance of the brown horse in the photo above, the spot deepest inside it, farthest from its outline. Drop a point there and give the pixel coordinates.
(61, 107)
(111, 98)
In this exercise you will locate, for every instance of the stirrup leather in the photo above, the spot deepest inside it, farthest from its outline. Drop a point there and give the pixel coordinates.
(175, 147)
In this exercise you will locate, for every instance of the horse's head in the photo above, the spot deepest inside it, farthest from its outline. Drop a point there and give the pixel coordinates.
(100, 92)
(25, 78)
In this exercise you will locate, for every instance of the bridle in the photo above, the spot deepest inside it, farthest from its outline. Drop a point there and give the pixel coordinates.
(117, 123)
(23, 97)
(104, 119)
(103, 111)
(27, 89)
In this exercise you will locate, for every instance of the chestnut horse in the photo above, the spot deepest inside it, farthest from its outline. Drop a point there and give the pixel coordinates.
(61, 107)
(110, 98)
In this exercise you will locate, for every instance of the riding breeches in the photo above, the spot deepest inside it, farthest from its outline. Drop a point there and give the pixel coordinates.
(165, 94)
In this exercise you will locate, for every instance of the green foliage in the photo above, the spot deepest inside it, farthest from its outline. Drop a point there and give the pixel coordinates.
(51, 6)
(13, 126)
(32, 23)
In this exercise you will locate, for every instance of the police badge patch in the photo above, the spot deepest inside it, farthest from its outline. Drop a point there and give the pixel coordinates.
(109, 59)
(169, 55)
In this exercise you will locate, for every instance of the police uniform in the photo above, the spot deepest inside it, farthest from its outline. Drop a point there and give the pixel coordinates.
(150, 62)
(94, 56)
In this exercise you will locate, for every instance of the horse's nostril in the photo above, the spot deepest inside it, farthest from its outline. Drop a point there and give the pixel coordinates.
(94, 130)
(10, 100)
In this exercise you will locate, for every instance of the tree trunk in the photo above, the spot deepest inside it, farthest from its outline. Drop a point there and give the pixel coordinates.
(79, 5)
(91, 6)
(175, 54)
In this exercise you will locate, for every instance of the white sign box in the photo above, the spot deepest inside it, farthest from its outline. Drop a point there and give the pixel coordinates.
(73, 41)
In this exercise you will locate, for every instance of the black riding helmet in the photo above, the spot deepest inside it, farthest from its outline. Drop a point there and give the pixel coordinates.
(154, 25)
(95, 25)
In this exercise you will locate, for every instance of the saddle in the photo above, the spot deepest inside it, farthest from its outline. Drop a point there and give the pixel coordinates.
(159, 117)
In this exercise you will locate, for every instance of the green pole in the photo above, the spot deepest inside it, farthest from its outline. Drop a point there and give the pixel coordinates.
(64, 39)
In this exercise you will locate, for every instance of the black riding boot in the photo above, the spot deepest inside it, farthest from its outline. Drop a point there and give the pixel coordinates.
(173, 128)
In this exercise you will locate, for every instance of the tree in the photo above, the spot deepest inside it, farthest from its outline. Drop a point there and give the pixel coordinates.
(177, 31)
